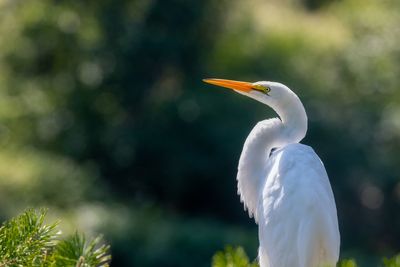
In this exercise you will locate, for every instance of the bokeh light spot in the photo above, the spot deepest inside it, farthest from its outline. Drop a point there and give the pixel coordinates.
(371, 196)
(90, 74)
(69, 22)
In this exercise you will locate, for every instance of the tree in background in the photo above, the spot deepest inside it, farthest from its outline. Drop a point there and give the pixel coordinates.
(104, 119)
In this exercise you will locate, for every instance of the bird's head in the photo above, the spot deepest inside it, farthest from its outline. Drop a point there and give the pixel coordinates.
(276, 95)
(269, 93)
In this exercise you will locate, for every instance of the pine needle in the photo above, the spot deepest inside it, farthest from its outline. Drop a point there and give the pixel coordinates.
(27, 241)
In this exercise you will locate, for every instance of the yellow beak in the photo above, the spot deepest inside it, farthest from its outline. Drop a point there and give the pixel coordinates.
(235, 85)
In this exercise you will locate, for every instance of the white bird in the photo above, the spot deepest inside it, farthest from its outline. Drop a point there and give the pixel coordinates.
(286, 190)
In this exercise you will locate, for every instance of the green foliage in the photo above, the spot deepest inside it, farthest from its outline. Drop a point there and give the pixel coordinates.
(347, 263)
(392, 262)
(28, 241)
(232, 257)
(75, 247)
(237, 257)
(99, 92)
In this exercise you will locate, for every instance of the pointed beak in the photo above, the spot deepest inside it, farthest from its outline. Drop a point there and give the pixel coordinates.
(235, 85)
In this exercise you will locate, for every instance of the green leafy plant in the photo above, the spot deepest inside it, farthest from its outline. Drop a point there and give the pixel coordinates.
(347, 263)
(392, 262)
(232, 257)
(237, 257)
(28, 241)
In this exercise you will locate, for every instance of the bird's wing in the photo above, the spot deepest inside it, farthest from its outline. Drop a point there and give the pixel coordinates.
(297, 211)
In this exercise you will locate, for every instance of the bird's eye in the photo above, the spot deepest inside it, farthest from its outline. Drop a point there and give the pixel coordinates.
(262, 88)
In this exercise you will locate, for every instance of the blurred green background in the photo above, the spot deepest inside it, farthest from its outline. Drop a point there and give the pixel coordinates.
(104, 118)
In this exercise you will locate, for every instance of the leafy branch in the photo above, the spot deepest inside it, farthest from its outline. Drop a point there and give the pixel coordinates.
(27, 241)
(232, 257)
(237, 257)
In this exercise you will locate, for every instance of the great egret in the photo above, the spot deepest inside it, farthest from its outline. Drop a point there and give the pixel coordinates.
(287, 190)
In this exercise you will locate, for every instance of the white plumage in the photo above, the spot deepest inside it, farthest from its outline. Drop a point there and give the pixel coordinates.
(287, 191)
(296, 211)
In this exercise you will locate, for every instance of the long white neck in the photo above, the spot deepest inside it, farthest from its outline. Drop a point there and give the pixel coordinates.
(268, 134)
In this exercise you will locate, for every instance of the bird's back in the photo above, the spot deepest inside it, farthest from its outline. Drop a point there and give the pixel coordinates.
(296, 211)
